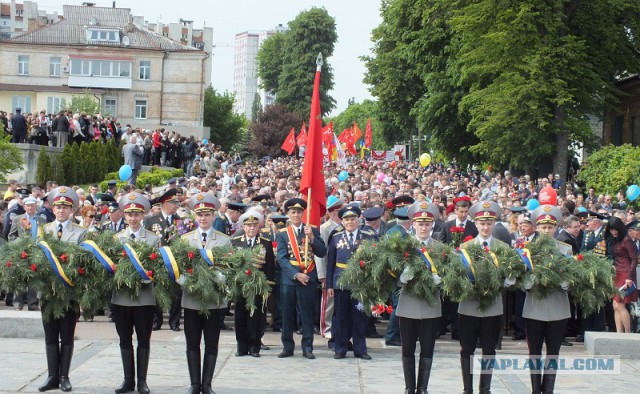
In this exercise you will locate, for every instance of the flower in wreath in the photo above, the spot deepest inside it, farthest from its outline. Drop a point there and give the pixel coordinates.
(456, 235)
(25, 224)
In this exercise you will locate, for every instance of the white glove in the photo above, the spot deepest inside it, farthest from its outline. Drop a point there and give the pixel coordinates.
(220, 278)
(528, 283)
(39, 294)
(508, 282)
(406, 275)
(181, 280)
(564, 286)
(145, 281)
(360, 306)
(436, 279)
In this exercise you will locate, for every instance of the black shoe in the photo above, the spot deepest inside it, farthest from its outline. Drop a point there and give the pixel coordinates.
(285, 354)
(264, 347)
(364, 356)
(254, 354)
(339, 356)
(175, 328)
(455, 337)
(157, 328)
(241, 354)
(224, 327)
(65, 384)
(566, 343)
(308, 355)
(580, 338)
(316, 331)
(33, 308)
(374, 335)
(52, 383)
(393, 343)
(518, 337)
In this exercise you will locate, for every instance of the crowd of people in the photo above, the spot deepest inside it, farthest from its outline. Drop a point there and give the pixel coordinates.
(244, 203)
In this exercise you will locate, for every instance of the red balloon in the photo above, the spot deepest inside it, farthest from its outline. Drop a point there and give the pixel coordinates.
(548, 196)
(393, 164)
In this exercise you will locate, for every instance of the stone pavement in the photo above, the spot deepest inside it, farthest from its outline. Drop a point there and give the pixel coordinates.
(96, 367)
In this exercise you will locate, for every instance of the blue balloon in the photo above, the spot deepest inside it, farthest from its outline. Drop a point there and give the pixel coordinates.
(633, 192)
(532, 204)
(582, 209)
(125, 172)
(205, 141)
(343, 175)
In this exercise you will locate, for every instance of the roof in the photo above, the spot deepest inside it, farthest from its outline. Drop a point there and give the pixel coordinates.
(71, 30)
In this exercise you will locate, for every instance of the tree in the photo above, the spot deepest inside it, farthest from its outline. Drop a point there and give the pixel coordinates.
(611, 169)
(256, 108)
(11, 155)
(86, 103)
(226, 127)
(360, 113)
(270, 130)
(294, 60)
(44, 169)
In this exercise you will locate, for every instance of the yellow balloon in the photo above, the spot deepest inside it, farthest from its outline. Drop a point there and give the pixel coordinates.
(425, 159)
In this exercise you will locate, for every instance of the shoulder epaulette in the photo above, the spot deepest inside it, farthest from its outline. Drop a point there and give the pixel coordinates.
(282, 230)
(236, 237)
(368, 232)
(266, 239)
(338, 231)
(185, 236)
(219, 233)
(77, 225)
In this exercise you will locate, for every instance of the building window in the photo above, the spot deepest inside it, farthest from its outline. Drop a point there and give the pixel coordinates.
(110, 106)
(23, 102)
(103, 35)
(100, 68)
(54, 66)
(54, 104)
(140, 109)
(145, 70)
(23, 65)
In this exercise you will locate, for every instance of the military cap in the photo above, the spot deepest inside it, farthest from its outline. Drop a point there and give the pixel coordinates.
(634, 225)
(589, 215)
(527, 217)
(547, 214)
(113, 206)
(295, 203)
(349, 211)
(23, 193)
(172, 181)
(261, 197)
(103, 198)
(63, 195)
(112, 183)
(29, 200)
(277, 218)
(518, 209)
(236, 206)
(402, 213)
(169, 195)
(423, 211)
(373, 213)
(402, 201)
(334, 203)
(134, 202)
(485, 210)
(204, 202)
(251, 217)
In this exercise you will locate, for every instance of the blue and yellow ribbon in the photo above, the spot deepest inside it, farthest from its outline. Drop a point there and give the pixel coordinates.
(466, 260)
(170, 263)
(428, 260)
(55, 264)
(135, 260)
(99, 254)
(207, 255)
(525, 255)
(494, 258)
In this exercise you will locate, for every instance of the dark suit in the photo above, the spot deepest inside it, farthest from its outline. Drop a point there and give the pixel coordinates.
(567, 238)
(519, 295)
(295, 294)
(597, 244)
(250, 328)
(470, 229)
(133, 155)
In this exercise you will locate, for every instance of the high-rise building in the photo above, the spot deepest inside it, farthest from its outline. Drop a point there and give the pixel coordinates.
(246, 84)
(19, 18)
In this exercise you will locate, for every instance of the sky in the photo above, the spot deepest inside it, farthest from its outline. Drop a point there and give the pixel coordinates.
(355, 19)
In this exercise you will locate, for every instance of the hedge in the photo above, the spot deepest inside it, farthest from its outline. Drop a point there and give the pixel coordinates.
(157, 177)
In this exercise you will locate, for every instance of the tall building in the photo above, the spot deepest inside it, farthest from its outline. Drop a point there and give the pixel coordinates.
(19, 18)
(245, 71)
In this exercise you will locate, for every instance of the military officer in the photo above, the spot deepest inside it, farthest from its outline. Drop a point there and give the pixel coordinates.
(134, 311)
(299, 276)
(116, 220)
(278, 222)
(594, 240)
(350, 320)
(546, 319)
(250, 328)
(197, 324)
(227, 222)
(59, 332)
(399, 202)
(475, 324)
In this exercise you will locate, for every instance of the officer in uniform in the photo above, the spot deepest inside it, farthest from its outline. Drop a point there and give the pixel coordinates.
(473, 323)
(299, 276)
(46, 210)
(59, 332)
(250, 328)
(134, 311)
(16, 210)
(226, 222)
(350, 320)
(398, 202)
(546, 319)
(278, 222)
(196, 324)
(372, 220)
(594, 240)
(116, 220)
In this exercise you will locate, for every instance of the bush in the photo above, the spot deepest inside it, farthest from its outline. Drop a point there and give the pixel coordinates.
(44, 169)
(611, 169)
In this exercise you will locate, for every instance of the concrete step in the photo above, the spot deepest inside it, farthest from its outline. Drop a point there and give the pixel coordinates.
(613, 343)
(21, 324)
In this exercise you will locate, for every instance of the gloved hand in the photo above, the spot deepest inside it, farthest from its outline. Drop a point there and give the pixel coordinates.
(181, 280)
(145, 281)
(508, 282)
(406, 275)
(360, 306)
(220, 278)
(528, 284)
(436, 279)
(564, 286)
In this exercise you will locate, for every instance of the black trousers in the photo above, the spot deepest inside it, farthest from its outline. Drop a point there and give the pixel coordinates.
(197, 324)
(472, 328)
(61, 331)
(176, 309)
(449, 315)
(128, 318)
(249, 328)
(301, 298)
(414, 330)
(550, 333)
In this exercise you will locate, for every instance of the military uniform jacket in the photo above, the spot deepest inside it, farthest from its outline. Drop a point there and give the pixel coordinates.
(147, 295)
(158, 225)
(414, 308)
(325, 233)
(271, 235)
(194, 238)
(122, 225)
(242, 242)
(340, 252)
(472, 307)
(594, 242)
(222, 224)
(287, 260)
(18, 231)
(397, 229)
(555, 306)
(73, 233)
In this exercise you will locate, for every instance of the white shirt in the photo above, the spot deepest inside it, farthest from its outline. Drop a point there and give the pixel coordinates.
(136, 233)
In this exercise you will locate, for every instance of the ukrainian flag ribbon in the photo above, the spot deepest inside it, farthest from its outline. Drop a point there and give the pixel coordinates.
(525, 255)
(170, 263)
(55, 264)
(135, 260)
(100, 255)
(207, 255)
(428, 260)
(466, 260)
(494, 258)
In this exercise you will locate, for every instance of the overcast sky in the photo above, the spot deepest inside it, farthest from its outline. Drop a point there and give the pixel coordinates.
(354, 20)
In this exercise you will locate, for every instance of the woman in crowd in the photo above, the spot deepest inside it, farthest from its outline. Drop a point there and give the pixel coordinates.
(88, 213)
(621, 249)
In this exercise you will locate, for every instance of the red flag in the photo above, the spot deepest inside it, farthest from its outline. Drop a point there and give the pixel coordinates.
(312, 181)
(346, 137)
(368, 137)
(357, 133)
(289, 143)
(327, 135)
(302, 137)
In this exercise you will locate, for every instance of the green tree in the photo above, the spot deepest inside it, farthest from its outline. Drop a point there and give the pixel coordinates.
(270, 130)
(11, 155)
(85, 102)
(226, 127)
(294, 59)
(256, 107)
(360, 113)
(44, 169)
(611, 168)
